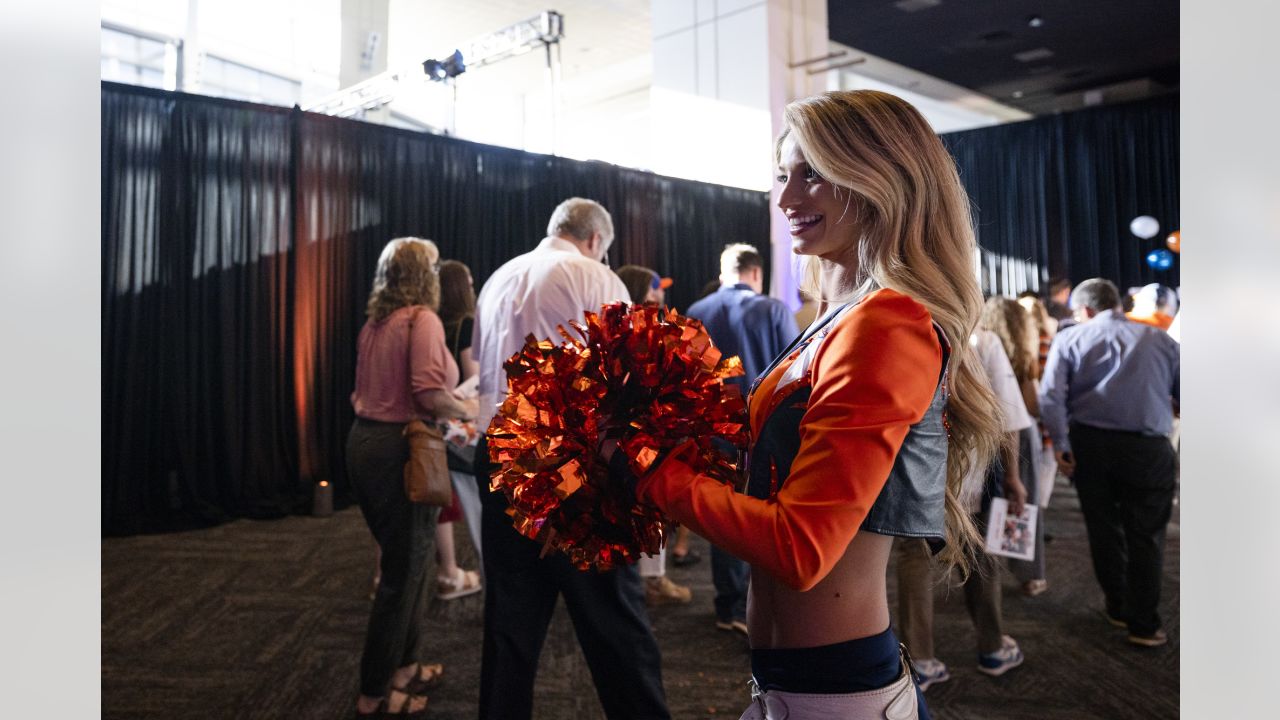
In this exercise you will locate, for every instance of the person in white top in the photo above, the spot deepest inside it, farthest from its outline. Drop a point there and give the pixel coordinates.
(997, 653)
(533, 294)
(1004, 384)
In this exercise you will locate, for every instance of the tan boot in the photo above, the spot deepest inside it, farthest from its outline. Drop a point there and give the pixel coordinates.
(661, 591)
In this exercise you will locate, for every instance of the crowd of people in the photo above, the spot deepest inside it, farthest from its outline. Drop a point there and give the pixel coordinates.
(885, 419)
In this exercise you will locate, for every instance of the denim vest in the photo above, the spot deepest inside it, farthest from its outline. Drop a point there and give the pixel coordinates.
(912, 502)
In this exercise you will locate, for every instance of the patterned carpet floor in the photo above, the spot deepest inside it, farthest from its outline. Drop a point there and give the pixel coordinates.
(266, 619)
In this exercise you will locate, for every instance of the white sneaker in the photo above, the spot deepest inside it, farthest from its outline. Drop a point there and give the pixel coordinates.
(1008, 657)
(930, 672)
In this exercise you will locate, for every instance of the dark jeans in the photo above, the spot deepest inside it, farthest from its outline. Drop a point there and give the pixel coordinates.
(376, 453)
(730, 576)
(607, 610)
(1126, 484)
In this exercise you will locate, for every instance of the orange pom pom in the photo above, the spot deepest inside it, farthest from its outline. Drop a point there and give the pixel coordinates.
(643, 377)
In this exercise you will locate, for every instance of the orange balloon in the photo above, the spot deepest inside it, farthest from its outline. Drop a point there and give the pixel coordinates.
(1174, 241)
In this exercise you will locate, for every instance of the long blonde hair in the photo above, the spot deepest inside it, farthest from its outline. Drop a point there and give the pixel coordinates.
(1012, 325)
(916, 238)
(1038, 315)
(406, 275)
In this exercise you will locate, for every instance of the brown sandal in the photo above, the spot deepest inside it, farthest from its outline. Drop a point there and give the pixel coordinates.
(384, 711)
(425, 678)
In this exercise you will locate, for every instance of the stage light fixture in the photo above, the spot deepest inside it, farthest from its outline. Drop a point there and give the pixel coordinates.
(434, 69)
(454, 65)
(441, 70)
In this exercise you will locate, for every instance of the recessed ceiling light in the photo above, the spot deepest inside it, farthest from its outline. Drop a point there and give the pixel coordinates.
(1033, 55)
(1035, 21)
(1017, 94)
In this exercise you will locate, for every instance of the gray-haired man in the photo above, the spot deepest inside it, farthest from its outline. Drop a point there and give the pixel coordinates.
(533, 294)
(1108, 396)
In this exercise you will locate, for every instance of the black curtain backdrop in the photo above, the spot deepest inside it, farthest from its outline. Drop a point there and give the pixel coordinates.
(197, 378)
(1053, 196)
(238, 249)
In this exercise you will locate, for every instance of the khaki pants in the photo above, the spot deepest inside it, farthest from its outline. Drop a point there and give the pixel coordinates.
(917, 577)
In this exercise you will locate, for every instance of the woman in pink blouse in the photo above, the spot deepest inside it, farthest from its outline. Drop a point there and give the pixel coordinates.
(403, 371)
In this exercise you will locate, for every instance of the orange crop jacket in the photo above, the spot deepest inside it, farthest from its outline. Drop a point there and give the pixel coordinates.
(848, 434)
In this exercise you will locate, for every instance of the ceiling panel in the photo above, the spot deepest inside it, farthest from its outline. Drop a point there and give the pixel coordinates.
(1119, 48)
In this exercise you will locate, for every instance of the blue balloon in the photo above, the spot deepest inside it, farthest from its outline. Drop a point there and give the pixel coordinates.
(1160, 259)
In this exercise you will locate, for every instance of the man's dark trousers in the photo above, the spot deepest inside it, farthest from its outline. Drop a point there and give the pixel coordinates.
(1126, 483)
(607, 610)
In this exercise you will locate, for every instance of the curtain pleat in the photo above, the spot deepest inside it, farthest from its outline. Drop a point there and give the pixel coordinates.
(1054, 196)
(239, 243)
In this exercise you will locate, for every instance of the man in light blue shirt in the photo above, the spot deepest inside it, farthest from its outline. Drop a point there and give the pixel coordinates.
(1108, 396)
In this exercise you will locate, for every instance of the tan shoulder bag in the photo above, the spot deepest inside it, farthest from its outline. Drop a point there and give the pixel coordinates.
(426, 473)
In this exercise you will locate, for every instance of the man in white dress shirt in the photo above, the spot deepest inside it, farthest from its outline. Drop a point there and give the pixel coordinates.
(532, 294)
